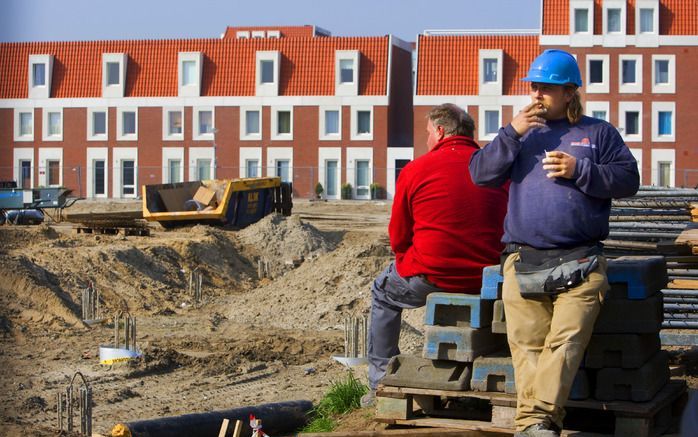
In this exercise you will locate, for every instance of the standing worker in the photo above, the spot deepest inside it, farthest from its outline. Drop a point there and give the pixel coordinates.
(443, 229)
(564, 169)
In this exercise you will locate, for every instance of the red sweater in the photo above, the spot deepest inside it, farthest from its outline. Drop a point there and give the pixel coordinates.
(442, 225)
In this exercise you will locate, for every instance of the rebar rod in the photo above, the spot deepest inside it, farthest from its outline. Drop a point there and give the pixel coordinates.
(651, 203)
(686, 324)
(679, 292)
(680, 307)
(648, 225)
(643, 235)
(630, 244)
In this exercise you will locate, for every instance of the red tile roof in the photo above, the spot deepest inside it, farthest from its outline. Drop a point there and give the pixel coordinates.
(448, 65)
(306, 31)
(676, 17)
(307, 66)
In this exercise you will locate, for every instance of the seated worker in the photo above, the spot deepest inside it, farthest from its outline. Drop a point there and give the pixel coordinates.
(443, 229)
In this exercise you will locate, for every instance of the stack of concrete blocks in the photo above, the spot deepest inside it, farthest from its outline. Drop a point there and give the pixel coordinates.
(624, 360)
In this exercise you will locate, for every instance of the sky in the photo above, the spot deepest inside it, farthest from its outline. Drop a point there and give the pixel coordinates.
(78, 20)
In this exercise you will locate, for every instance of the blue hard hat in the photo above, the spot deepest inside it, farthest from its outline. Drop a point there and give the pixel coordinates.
(556, 67)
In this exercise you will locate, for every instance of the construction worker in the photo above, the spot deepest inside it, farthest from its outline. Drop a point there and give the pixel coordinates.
(564, 169)
(443, 230)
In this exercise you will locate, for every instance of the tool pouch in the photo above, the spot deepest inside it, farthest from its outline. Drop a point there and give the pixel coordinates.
(550, 272)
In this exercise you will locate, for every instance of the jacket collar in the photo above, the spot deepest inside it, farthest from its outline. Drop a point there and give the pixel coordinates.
(455, 140)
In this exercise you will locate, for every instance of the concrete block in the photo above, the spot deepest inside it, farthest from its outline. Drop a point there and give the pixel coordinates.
(626, 316)
(493, 373)
(627, 351)
(581, 388)
(491, 283)
(499, 321)
(462, 344)
(417, 372)
(457, 309)
(638, 385)
(642, 275)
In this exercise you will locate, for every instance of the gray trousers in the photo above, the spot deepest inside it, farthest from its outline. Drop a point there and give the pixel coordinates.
(390, 294)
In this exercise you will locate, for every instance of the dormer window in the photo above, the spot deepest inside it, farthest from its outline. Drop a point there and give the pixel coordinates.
(267, 73)
(646, 20)
(40, 67)
(647, 23)
(113, 74)
(581, 23)
(613, 20)
(614, 23)
(243, 34)
(581, 20)
(258, 34)
(190, 73)
(346, 67)
(490, 75)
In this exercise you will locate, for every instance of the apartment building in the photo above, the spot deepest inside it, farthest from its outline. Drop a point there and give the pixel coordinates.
(104, 117)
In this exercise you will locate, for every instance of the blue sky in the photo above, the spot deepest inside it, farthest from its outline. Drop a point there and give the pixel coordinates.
(68, 20)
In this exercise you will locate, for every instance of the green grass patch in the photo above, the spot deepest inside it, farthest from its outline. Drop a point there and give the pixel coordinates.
(344, 396)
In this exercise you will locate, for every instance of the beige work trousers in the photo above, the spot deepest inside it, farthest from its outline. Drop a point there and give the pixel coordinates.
(547, 338)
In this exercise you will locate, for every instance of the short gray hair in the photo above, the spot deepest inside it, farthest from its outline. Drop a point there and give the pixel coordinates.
(453, 119)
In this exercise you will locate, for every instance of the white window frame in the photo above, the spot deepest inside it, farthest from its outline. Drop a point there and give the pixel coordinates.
(171, 154)
(615, 39)
(275, 135)
(330, 154)
(647, 39)
(322, 124)
(45, 136)
(258, 34)
(395, 153)
(635, 87)
(599, 106)
(242, 34)
(244, 136)
(40, 91)
(354, 123)
(197, 153)
(20, 154)
(247, 154)
(120, 136)
(275, 154)
(273, 34)
(598, 88)
(117, 90)
(97, 154)
(658, 107)
(17, 132)
(50, 154)
(166, 135)
(90, 124)
(346, 88)
(663, 155)
(637, 154)
(191, 90)
(197, 134)
(120, 154)
(490, 88)
(359, 154)
(267, 89)
(624, 107)
(581, 39)
(664, 88)
(482, 135)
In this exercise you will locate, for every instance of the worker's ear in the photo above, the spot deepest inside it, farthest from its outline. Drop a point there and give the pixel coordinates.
(440, 132)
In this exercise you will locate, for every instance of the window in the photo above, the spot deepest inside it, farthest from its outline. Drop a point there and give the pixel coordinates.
(174, 171)
(205, 122)
(38, 74)
(490, 74)
(664, 122)
(113, 76)
(664, 74)
(189, 76)
(595, 71)
(646, 20)
(664, 173)
(613, 17)
(628, 71)
(25, 175)
(601, 115)
(128, 177)
(267, 71)
(362, 178)
(26, 124)
(203, 169)
(54, 123)
(100, 177)
(346, 67)
(661, 71)
(282, 170)
(663, 167)
(331, 178)
(364, 122)
(252, 122)
(283, 122)
(581, 20)
(53, 172)
(632, 123)
(491, 122)
(331, 122)
(630, 74)
(598, 109)
(128, 123)
(251, 168)
(99, 123)
(174, 123)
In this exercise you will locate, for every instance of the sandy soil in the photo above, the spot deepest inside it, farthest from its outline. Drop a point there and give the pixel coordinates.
(251, 340)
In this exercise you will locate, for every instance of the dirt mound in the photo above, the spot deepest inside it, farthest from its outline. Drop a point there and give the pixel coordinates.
(279, 241)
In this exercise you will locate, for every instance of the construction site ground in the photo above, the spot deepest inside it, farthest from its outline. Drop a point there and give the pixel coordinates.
(249, 341)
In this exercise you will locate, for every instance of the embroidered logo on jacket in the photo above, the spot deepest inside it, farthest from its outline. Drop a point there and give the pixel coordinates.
(584, 142)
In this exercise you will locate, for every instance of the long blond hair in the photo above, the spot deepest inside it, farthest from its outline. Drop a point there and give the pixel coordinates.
(574, 108)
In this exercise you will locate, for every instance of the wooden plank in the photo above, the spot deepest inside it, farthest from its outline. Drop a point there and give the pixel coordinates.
(224, 428)
(485, 429)
(683, 284)
(503, 417)
(238, 428)
(689, 236)
(407, 432)
(103, 215)
(391, 408)
(390, 391)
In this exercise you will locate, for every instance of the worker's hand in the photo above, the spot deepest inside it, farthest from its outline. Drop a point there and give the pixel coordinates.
(559, 164)
(529, 118)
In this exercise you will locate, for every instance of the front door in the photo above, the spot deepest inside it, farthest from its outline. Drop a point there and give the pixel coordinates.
(100, 178)
(25, 172)
(128, 178)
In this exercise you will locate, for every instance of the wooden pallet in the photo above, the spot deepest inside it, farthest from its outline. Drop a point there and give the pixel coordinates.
(114, 230)
(494, 412)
